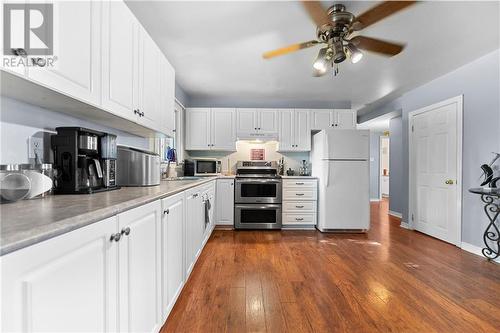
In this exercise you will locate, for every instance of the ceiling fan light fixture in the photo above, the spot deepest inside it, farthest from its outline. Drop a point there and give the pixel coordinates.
(321, 64)
(354, 53)
(338, 52)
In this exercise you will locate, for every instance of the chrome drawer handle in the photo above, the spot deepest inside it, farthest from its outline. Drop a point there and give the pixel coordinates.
(299, 206)
(299, 183)
(299, 219)
(299, 194)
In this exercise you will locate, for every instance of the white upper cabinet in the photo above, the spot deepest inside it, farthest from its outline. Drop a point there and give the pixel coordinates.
(223, 129)
(64, 284)
(77, 70)
(295, 130)
(247, 120)
(268, 120)
(344, 119)
(255, 122)
(120, 59)
(321, 119)
(140, 268)
(167, 96)
(210, 129)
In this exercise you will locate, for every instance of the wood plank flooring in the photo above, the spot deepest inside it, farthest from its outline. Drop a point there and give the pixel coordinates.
(388, 280)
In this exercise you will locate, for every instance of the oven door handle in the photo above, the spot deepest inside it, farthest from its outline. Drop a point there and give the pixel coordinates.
(259, 181)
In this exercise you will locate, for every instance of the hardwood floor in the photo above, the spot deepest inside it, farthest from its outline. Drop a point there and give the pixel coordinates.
(388, 280)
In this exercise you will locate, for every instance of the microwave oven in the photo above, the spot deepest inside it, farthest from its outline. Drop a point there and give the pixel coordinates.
(202, 167)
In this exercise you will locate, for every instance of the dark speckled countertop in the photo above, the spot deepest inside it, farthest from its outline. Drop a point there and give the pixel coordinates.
(28, 222)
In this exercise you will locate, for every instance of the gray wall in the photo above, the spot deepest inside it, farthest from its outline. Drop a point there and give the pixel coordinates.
(479, 83)
(181, 95)
(375, 165)
(19, 121)
(396, 165)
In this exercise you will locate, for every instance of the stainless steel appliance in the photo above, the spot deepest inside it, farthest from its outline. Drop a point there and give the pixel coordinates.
(257, 195)
(136, 167)
(108, 155)
(202, 167)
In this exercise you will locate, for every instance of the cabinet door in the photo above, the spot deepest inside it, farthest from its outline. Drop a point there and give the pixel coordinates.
(198, 129)
(64, 284)
(268, 121)
(167, 96)
(345, 119)
(140, 269)
(225, 202)
(223, 129)
(302, 130)
(77, 33)
(172, 233)
(193, 228)
(149, 82)
(120, 81)
(246, 121)
(321, 119)
(286, 129)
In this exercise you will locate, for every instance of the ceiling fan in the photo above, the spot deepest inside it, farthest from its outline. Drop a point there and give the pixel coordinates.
(334, 29)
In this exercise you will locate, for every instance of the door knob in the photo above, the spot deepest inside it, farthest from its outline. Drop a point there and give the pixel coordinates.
(449, 182)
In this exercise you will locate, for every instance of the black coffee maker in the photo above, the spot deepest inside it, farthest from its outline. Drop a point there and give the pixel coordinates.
(84, 161)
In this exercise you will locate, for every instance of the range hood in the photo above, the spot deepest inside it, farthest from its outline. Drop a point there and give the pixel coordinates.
(255, 136)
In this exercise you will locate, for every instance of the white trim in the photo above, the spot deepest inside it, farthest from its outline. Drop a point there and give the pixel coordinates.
(395, 214)
(411, 205)
(374, 200)
(405, 225)
(179, 102)
(475, 250)
(382, 137)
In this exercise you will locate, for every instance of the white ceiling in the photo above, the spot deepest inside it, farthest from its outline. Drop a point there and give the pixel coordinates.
(379, 124)
(216, 49)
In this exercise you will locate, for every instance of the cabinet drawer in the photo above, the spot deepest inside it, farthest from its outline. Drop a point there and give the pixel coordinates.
(299, 206)
(299, 218)
(299, 183)
(299, 194)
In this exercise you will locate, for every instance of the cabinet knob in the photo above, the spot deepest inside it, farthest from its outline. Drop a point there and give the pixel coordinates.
(299, 183)
(115, 237)
(299, 206)
(299, 194)
(142, 114)
(166, 211)
(255, 128)
(125, 231)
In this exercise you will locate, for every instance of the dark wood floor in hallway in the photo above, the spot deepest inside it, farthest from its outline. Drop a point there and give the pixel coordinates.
(388, 280)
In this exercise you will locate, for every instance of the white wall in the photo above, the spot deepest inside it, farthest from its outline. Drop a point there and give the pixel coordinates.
(19, 121)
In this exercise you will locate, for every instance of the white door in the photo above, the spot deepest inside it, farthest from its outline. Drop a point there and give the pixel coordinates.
(77, 71)
(286, 129)
(65, 284)
(172, 232)
(302, 130)
(140, 268)
(167, 96)
(246, 121)
(225, 201)
(268, 121)
(198, 129)
(344, 119)
(223, 129)
(149, 82)
(321, 119)
(120, 72)
(434, 170)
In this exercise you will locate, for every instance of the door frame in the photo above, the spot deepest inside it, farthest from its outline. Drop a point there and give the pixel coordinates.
(411, 151)
(382, 137)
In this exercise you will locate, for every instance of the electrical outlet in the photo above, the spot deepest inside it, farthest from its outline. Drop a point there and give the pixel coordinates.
(35, 147)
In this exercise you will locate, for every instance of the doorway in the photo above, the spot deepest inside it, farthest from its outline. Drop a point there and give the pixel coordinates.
(384, 167)
(435, 170)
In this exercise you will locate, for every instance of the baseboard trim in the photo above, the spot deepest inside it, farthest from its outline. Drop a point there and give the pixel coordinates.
(374, 200)
(396, 214)
(405, 225)
(475, 250)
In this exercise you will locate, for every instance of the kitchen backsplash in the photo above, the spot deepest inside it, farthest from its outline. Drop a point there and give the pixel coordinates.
(229, 159)
(20, 121)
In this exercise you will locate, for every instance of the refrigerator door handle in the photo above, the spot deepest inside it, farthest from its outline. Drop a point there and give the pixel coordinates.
(327, 173)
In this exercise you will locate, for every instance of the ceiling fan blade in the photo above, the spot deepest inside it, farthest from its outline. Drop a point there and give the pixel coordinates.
(316, 11)
(289, 49)
(377, 45)
(379, 12)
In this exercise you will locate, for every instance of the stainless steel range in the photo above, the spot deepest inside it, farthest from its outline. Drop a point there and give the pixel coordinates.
(257, 195)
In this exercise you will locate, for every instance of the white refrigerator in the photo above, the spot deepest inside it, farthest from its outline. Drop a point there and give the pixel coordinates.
(341, 161)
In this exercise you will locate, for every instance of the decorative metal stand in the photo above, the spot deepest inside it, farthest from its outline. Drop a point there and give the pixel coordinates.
(491, 236)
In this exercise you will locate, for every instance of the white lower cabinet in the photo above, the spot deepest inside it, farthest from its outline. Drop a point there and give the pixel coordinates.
(225, 202)
(65, 284)
(300, 202)
(193, 237)
(139, 268)
(172, 251)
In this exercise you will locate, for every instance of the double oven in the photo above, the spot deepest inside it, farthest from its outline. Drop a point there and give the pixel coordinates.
(257, 195)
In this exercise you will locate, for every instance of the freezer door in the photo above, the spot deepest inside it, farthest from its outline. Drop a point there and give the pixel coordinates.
(344, 196)
(347, 144)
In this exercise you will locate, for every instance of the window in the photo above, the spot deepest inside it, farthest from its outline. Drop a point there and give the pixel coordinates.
(176, 142)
